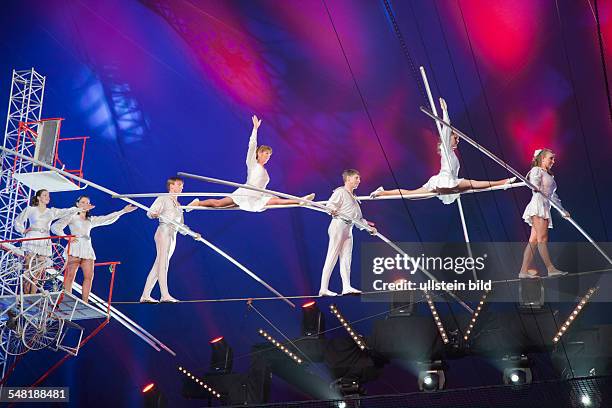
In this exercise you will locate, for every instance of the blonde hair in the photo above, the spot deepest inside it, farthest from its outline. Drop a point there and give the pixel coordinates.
(262, 148)
(539, 155)
(348, 173)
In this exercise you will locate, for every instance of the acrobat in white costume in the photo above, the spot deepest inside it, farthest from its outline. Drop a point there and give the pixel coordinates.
(39, 227)
(340, 233)
(257, 176)
(537, 213)
(80, 253)
(164, 208)
(539, 205)
(39, 218)
(447, 181)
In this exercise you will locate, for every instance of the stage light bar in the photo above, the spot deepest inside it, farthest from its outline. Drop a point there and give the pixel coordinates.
(574, 314)
(475, 315)
(280, 346)
(199, 381)
(437, 319)
(356, 337)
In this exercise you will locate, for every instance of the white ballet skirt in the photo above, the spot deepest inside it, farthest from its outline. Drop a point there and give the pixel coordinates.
(257, 176)
(81, 228)
(540, 205)
(39, 224)
(448, 177)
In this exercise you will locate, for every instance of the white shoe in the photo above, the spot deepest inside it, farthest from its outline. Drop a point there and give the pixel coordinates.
(509, 182)
(351, 291)
(527, 276)
(168, 299)
(148, 299)
(308, 197)
(193, 203)
(327, 293)
(377, 192)
(555, 272)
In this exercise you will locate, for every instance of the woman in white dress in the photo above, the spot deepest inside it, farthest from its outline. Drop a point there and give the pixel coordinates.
(39, 219)
(447, 182)
(257, 176)
(80, 253)
(537, 213)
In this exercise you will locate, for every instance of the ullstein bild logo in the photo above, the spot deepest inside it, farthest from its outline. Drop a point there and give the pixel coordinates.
(430, 263)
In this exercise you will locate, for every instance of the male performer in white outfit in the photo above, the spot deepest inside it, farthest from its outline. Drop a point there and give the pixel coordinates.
(343, 204)
(166, 208)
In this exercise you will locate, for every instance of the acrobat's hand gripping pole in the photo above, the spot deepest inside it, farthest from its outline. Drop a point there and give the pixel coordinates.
(503, 164)
(459, 204)
(179, 227)
(321, 208)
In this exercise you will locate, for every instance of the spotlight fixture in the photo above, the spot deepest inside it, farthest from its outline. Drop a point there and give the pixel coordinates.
(199, 382)
(437, 319)
(280, 346)
(313, 322)
(348, 387)
(433, 378)
(517, 371)
(531, 294)
(475, 315)
(574, 314)
(585, 400)
(222, 357)
(153, 397)
(356, 337)
(402, 301)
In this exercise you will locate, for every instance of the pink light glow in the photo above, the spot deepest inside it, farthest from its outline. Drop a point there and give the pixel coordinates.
(310, 25)
(504, 34)
(225, 51)
(533, 129)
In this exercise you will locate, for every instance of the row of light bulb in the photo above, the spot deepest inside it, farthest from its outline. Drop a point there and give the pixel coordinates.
(200, 382)
(356, 338)
(437, 319)
(280, 346)
(475, 316)
(574, 314)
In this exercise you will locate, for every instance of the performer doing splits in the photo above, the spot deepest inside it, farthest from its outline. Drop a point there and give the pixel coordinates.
(81, 252)
(166, 208)
(537, 214)
(446, 182)
(39, 218)
(342, 202)
(257, 176)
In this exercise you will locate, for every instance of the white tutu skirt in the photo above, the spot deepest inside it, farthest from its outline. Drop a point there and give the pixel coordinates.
(538, 206)
(249, 200)
(40, 247)
(443, 181)
(82, 249)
